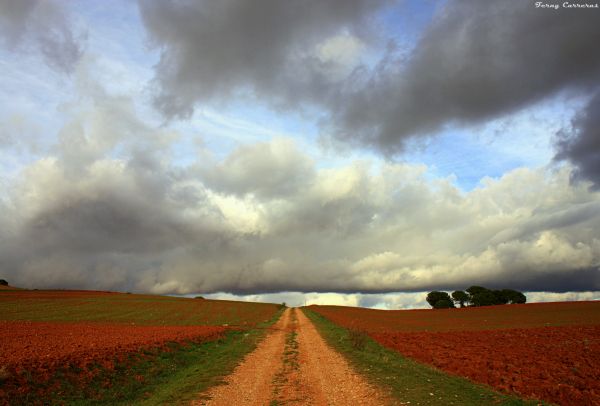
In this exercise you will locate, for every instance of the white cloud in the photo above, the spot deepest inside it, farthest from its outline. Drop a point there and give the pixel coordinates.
(385, 301)
(265, 219)
(339, 55)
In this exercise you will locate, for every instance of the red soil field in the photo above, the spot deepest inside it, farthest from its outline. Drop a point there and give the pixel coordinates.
(25, 342)
(34, 351)
(467, 319)
(111, 307)
(5, 287)
(557, 364)
(49, 336)
(554, 358)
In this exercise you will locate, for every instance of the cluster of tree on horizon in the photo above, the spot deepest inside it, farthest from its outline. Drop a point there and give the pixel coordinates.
(3, 282)
(473, 297)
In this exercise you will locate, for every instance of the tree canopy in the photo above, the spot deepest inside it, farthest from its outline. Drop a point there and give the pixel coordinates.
(475, 296)
(439, 300)
(460, 297)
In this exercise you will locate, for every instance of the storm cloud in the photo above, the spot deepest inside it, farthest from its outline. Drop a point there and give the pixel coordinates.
(580, 144)
(43, 26)
(474, 61)
(287, 52)
(477, 60)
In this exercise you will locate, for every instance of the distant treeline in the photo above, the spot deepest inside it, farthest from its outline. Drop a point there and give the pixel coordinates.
(474, 296)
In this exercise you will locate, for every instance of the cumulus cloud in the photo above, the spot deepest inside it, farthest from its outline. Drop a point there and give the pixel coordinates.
(288, 52)
(581, 143)
(123, 214)
(268, 169)
(42, 25)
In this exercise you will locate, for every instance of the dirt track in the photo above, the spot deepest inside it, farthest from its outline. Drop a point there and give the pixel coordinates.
(294, 366)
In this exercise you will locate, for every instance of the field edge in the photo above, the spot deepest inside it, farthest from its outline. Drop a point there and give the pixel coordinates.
(222, 357)
(407, 380)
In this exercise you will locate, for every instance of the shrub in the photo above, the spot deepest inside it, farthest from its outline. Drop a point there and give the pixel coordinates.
(4, 374)
(358, 338)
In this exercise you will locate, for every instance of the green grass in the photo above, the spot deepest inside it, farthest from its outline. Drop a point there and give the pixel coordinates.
(290, 363)
(406, 380)
(171, 377)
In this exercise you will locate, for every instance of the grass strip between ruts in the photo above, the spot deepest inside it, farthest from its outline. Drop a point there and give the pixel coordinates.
(407, 381)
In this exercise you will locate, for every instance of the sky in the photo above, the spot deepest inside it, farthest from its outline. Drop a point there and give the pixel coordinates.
(357, 152)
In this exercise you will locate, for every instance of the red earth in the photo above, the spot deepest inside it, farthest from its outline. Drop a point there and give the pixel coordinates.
(121, 308)
(557, 364)
(34, 351)
(50, 338)
(467, 319)
(552, 351)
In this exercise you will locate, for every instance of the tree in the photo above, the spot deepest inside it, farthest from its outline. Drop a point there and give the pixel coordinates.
(434, 297)
(460, 297)
(480, 296)
(475, 296)
(501, 297)
(514, 296)
(3, 282)
(443, 304)
(473, 290)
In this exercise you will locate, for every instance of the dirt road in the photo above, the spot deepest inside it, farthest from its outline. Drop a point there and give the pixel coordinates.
(294, 366)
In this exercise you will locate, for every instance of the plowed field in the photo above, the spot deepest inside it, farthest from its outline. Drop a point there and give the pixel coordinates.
(126, 309)
(550, 359)
(49, 339)
(32, 353)
(467, 319)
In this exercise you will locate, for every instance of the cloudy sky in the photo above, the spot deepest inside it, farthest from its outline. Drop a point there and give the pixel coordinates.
(354, 152)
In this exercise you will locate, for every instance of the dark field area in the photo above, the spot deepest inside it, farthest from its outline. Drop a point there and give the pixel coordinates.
(76, 306)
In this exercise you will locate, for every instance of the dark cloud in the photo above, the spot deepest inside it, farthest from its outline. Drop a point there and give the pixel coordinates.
(476, 60)
(111, 222)
(213, 50)
(43, 24)
(577, 280)
(581, 144)
(13, 15)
